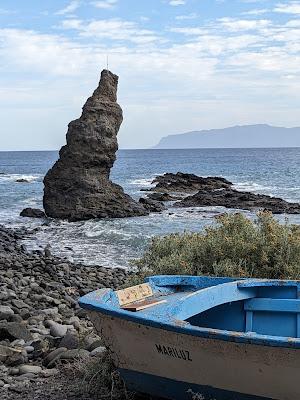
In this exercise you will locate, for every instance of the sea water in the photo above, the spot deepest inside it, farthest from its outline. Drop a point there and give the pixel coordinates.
(115, 242)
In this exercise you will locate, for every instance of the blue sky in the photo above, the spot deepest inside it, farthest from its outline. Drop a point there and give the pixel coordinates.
(183, 65)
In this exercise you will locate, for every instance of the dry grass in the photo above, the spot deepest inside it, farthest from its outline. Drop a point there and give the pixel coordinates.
(97, 378)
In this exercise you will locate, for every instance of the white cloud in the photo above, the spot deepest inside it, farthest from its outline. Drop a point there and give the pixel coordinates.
(230, 67)
(244, 24)
(294, 23)
(256, 11)
(71, 7)
(186, 17)
(114, 29)
(21, 47)
(177, 2)
(189, 30)
(105, 4)
(292, 7)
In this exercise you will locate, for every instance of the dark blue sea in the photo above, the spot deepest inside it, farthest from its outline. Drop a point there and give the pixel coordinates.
(115, 242)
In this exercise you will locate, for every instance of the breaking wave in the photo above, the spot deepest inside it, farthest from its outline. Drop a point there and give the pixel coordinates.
(15, 177)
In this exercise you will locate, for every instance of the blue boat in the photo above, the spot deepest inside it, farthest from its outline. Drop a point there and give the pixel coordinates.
(200, 338)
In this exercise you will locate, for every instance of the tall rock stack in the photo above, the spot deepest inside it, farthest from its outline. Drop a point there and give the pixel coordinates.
(78, 187)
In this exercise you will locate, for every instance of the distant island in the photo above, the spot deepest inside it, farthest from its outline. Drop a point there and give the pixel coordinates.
(245, 136)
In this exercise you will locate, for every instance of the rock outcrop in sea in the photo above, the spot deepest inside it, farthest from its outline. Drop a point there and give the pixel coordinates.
(78, 187)
(196, 191)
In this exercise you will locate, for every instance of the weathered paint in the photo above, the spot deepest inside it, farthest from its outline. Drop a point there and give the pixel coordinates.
(134, 293)
(175, 288)
(218, 335)
(229, 367)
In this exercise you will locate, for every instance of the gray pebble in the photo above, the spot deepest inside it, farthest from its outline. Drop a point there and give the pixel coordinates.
(31, 369)
(98, 351)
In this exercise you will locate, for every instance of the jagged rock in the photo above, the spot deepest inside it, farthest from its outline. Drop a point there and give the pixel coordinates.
(22, 180)
(70, 340)
(14, 330)
(217, 191)
(231, 198)
(187, 183)
(162, 196)
(32, 213)
(77, 187)
(5, 312)
(152, 205)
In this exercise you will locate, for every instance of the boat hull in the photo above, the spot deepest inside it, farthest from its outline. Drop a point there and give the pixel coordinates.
(181, 366)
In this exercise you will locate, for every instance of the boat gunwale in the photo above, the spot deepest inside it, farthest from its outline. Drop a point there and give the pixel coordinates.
(183, 327)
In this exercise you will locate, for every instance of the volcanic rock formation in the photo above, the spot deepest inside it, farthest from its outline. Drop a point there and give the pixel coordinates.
(78, 187)
(197, 191)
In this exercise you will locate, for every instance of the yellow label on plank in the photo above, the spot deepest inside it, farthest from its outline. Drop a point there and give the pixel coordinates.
(134, 293)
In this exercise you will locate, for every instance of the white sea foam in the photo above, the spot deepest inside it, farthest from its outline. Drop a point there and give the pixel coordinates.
(253, 187)
(15, 177)
(142, 181)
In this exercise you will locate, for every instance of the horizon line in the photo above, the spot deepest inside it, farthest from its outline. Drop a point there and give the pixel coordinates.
(174, 148)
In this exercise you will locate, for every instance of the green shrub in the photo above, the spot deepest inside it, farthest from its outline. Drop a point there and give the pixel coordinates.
(236, 247)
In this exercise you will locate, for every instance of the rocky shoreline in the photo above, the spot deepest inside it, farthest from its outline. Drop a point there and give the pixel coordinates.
(41, 323)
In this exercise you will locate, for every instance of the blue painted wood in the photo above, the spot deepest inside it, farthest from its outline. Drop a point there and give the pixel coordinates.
(273, 305)
(266, 282)
(210, 297)
(249, 321)
(269, 328)
(298, 316)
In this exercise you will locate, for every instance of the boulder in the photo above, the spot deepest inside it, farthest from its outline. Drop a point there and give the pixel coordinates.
(187, 183)
(58, 330)
(14, 330)
(22, 180)
(162, 196)
(32, 213)
(78, 187)
(97, 351)
(19, 304)
(152, 205)
(53, 356)
(70, 340)
(30, 369)
(93, 343)
(5, 312)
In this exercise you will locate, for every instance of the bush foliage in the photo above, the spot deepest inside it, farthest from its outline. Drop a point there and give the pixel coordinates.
(236, 246)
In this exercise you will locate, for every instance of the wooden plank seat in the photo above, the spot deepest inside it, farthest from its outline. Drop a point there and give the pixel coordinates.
(272, 305)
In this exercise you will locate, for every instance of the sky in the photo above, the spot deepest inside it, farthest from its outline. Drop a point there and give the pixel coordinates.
(183, 65)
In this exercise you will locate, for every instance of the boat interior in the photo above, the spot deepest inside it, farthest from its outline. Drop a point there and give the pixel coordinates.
(247, 306)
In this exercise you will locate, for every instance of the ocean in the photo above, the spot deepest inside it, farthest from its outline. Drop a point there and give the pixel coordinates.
(116, 242)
